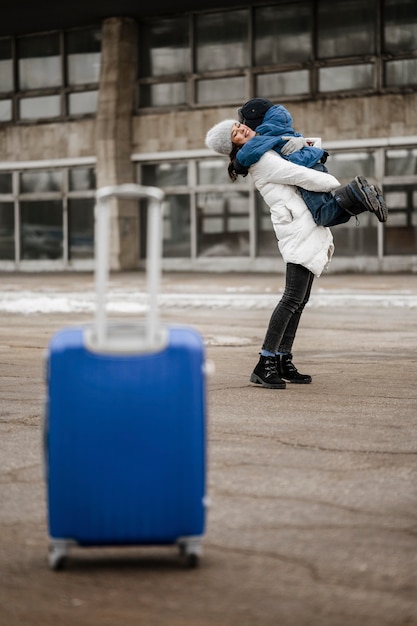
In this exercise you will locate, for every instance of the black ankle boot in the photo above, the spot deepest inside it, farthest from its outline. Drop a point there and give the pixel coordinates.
(368, 196)
(266, 374)
(359, 196)
(288, 371)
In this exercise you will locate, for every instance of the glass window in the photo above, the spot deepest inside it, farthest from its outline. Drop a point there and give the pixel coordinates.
(165, 174)
(82, 103)
(41, 230)
(6, 65)
(283, 84)
(282, 33)
(83, 56)
(347, 30)
(351, 241)
(6, 110)
(39, 61)
(347, 165)
(5, 182)
(7, 247)
(40, 181)
(82, 179)
(176, 226)
(213, 172)
(401, 162)
(223, 224)
(40, 108)
(163, 94)
(164, 47)
(400, 25)
(222, 90)
(266, 241)
(401, 72)
(81, 228)
(222, 40)
(400, 232)
(346, 77)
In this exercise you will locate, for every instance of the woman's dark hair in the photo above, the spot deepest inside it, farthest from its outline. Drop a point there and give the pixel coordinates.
(234, 168)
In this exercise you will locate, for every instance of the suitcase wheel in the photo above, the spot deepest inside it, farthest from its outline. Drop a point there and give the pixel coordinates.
(58, 555)
(190, 550)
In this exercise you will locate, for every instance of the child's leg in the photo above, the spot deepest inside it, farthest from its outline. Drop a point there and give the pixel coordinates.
(324, 208)
(351, 200)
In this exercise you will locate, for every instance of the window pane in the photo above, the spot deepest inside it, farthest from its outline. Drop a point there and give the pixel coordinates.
(6, 65)
(401, 162)
(222, 40)
(39, 62)
(283, 34)
(283, 84)
(267, 244)
(214, 172)
(39, 108)
(6, 231)
(164, 174)
(81, 228)
(350, 164)
(221, 90)
(40, 181)
(351, 241)
(5, 110)
(176, 227)
(163, 94)
(400, 232)
(164, 47)
(400, 22)
(346, 30)
(82, 103)
(223, 224)
(82, 179)
(41, 229)
(399, 73)
(346, 77)
(5, 183)
(83, 68)
(6, 75)
(83, 56)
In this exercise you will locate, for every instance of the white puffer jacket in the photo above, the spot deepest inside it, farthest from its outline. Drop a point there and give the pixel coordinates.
(300, 240)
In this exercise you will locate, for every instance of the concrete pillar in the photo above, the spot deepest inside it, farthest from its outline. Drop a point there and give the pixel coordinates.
(114, 135)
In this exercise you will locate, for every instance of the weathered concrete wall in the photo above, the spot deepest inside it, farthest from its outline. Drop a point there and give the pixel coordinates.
(48, 141)
(346, 118)
(115, 134)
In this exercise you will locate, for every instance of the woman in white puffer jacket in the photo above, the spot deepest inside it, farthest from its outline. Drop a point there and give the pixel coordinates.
(300, 240)
(305, 247)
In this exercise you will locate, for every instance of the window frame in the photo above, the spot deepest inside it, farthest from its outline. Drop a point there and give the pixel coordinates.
(62, 91)
(378, 61)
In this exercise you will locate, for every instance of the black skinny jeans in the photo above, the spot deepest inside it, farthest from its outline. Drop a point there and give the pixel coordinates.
(286, 315)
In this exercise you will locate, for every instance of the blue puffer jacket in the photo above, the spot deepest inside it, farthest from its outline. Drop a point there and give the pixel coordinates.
(277, 122)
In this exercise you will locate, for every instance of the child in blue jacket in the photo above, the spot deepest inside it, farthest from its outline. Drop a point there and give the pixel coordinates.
(274, 128)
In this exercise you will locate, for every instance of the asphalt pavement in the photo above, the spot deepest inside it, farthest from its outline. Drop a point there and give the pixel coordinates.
(313, 489)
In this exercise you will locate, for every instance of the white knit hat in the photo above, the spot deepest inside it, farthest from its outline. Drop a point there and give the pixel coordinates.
(219, 139)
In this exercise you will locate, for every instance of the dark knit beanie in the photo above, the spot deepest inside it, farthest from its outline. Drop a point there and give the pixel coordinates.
(253, 111)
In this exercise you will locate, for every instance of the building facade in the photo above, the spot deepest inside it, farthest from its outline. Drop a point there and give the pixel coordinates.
(131, 98)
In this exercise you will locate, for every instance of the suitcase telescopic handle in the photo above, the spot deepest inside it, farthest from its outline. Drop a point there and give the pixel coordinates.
(155, 196)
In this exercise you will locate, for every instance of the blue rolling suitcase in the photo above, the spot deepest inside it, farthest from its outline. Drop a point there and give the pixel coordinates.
(125, 431)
